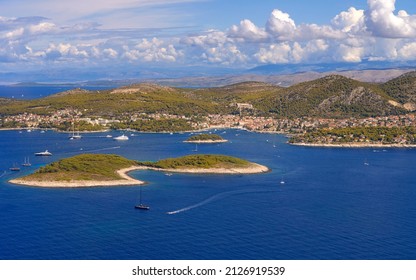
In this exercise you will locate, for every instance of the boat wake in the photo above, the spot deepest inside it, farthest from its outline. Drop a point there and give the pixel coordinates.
(3, 174)
(90, 151)
(218, 197)
(103, 149)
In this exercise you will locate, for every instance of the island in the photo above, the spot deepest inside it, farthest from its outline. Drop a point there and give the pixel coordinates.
(205, 138)
(219, 164)
(95, 170)
(85, 170)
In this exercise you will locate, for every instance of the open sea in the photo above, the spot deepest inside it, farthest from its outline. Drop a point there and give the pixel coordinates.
(335, 203)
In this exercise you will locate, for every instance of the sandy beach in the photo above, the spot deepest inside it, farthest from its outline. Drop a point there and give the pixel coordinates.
(126, 181)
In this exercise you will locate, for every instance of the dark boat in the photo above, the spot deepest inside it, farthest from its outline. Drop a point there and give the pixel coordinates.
(14, 168)
(141, 206)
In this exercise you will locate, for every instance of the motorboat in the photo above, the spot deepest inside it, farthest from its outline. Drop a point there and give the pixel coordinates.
(42, 154)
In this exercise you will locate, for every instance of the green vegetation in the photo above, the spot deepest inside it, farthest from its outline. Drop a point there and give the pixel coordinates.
(83, 167)
(205, 137)
(333, 96)
(142, 98)
(198, 161)
(402, 88)
(67, 126)
(382, 135)
(161, 125)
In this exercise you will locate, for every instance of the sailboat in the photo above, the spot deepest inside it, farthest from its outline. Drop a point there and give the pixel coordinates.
(75, 136)
(141, 206)
(196, 148)
(26, 163)
(14, 168)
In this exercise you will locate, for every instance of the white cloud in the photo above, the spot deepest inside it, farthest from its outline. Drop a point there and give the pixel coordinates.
(275, 53)
(248, 31)
(381, 20)
(42, 27)
(154, 50)
(111, 53)
(408, 51)
(210, 38)
(224, 55)
(349, 53)
(349, 21)
(378, 33)
(280, 24)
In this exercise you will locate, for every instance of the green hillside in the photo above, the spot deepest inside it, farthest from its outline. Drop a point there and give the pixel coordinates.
(331, 96)
(403, 88)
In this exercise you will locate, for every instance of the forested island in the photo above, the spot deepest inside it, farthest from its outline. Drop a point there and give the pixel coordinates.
(91, 170)
(205, 138)
(85, 170)
(206, 164)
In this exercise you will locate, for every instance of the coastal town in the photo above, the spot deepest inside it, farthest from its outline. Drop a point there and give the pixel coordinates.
(292, 126)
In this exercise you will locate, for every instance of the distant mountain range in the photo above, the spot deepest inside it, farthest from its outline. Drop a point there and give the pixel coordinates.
(196, 76)
(329, 96)
(329, 67)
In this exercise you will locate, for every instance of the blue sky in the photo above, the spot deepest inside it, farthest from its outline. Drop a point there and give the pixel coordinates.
(122, 35)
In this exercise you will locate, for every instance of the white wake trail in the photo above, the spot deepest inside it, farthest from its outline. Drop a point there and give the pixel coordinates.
(217, 197)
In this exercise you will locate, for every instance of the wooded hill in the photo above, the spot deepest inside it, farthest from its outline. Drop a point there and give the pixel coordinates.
(331, 96)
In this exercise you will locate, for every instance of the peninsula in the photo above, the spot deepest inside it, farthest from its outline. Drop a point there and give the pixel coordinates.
(94, 170)
(205, 138)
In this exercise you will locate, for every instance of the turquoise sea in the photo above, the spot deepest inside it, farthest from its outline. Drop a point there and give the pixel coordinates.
(335, 203)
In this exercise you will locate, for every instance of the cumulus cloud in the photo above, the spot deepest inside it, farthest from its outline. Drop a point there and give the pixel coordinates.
(349, 21)
(275, 53)
(280, 24)
(247, 30)
(154, 50)
(382, 21)
(407, 52)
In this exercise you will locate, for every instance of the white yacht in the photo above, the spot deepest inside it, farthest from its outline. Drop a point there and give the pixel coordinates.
(45, 153)
(121, 138)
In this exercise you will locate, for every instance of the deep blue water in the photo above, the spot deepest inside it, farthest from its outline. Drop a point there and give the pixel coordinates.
(34, 92)
(332, 205)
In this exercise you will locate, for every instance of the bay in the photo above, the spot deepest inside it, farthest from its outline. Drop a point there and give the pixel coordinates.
(335, 203)
(39, 91)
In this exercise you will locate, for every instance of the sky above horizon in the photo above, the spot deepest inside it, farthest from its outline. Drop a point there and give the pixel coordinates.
(47, 35)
